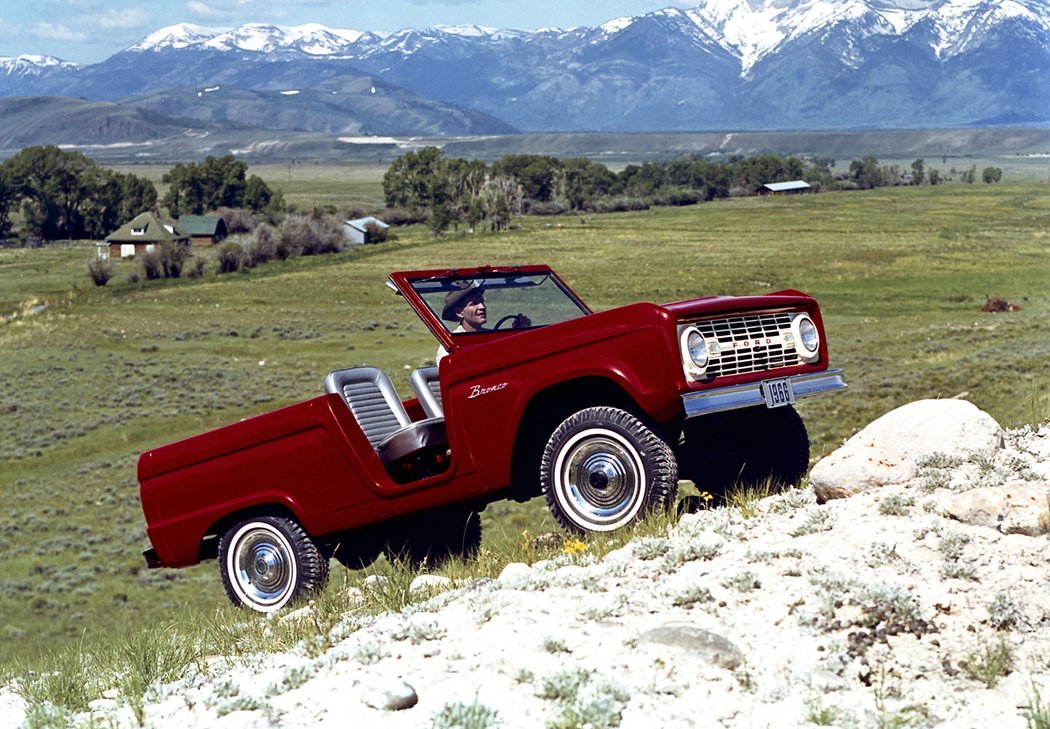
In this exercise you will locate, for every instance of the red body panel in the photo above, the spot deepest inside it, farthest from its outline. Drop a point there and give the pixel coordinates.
(310, 458)
(313, 460)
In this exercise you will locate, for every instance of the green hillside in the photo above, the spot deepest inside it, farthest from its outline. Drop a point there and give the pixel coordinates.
(90, 377)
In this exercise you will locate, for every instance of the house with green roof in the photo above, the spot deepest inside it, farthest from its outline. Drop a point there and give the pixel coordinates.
(204, 229)
(143, 234)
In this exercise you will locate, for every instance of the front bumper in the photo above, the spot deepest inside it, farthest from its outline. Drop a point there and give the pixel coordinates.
(750, 394)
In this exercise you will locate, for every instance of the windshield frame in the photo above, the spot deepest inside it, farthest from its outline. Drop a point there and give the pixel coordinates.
(406, 283)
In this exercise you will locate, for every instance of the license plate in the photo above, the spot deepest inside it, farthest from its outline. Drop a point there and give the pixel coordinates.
(778, 393)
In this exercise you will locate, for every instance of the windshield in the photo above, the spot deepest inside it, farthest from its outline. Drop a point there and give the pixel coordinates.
(506, 300)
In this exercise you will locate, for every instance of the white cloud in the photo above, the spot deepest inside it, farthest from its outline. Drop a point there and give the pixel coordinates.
(248, 10)
(57, 31)
(205, 11)
(125, 19)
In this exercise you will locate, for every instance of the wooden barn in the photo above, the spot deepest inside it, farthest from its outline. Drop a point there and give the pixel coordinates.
(204, 229)
(143, 234)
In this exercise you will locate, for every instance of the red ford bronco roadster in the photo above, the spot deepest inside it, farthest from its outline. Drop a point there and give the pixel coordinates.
(601, 413)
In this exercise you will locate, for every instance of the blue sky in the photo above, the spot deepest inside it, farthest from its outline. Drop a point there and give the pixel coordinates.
(88, 31)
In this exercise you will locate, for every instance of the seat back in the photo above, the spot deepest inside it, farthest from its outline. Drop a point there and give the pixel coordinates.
(372, 399)
(428, 389)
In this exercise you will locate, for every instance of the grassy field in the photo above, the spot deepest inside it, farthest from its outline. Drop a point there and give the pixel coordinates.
(91, 377)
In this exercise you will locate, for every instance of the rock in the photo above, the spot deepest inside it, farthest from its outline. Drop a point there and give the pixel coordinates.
(515, 573)
(889, 449)
(621, 556)
(1013, 508)
(391, 694)
(704, 644)
(431, 583)
(102, 705)
(304, 613)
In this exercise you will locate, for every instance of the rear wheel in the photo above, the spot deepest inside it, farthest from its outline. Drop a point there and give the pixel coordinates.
(268, 562)
(603, 468)
(744, 447)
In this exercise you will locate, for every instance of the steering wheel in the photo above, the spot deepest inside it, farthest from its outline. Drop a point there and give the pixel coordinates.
(504, 320)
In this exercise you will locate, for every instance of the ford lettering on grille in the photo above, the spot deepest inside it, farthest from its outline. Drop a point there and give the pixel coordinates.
(749, 343)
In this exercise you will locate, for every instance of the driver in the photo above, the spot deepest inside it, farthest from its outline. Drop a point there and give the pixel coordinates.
(466, 307)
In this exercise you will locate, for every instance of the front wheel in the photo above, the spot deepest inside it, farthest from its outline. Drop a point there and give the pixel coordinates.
(603, 468)
(269, 561)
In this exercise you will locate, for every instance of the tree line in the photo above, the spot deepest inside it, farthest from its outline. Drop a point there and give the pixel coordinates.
(65, 195)
(448, 192)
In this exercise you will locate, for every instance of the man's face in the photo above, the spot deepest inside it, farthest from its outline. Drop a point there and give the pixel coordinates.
(472, 315)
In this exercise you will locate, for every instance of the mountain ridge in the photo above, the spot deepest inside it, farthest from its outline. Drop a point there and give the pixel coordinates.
(722, 64)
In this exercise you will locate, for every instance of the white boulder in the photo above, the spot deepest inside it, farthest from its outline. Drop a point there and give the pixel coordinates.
(1013, 508)
(889, 449)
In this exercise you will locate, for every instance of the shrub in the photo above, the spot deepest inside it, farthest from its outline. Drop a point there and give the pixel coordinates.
(313, 235)
(324, 234)
(195, 267)
(166, 261)
(172, 258)
(262, 247)
(100, 271)
(376, 233)
(238, 220)
(1037, 714)
(586, 700)
(152, 266)
(465, 716)
(618, 205)
(692, 595)
(400, 216)
(989, 663)
(229, 258)
(816, 521)
(534, 207)
(1005, 614)
(896, 505)
(743, 582)
(679, 198)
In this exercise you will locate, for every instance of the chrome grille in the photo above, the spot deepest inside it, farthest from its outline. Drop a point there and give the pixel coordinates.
(749, 343)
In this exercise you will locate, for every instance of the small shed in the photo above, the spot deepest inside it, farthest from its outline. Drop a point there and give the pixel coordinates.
(204, 229)
(357, 230)
(143, 234)
(785, 188)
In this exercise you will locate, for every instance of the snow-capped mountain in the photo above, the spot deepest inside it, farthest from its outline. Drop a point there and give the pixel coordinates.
(744, 64)
(747, 30)
(33, 65)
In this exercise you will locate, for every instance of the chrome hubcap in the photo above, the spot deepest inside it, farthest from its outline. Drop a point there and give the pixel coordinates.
(263, 567)
(599, 477)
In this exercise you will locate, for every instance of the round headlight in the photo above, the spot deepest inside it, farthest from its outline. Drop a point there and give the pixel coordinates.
(807, 337)
(695, 354)
(696, 346)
